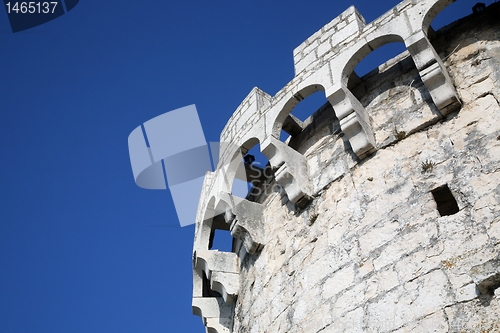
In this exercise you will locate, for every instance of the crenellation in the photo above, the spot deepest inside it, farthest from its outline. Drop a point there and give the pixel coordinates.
(330, 27)
(324, 48)
(345, 25)
(256, 101)
(349, 234)
(310, 48)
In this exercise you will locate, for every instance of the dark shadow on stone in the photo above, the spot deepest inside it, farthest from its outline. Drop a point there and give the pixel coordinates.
(446, 203)
(487, 289)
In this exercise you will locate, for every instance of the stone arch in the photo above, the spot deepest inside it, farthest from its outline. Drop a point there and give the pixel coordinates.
(223, 204)
(236, 168)
(364, 50)
(297, 97)
(363, 88)
(290, 167)
(214, 218)
(283, 115)
(207, 225)
(257, 168)
(209, 211)
(203, 235)
(249, 144)
(432, 12)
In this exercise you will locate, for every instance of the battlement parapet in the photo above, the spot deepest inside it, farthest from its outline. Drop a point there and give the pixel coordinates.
(261, 116)
(342, 28)
(355, 127)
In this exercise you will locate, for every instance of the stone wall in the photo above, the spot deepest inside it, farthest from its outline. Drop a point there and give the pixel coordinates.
(383, 211)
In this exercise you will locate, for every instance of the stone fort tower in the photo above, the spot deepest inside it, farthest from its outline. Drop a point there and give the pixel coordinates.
(380, 212)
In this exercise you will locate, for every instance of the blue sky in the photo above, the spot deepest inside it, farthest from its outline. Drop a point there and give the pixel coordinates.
(82, 248)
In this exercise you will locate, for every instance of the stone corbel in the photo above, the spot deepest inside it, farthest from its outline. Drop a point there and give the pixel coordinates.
(246, 220)
(291, 170)
(433, 73)
(222, 269)
(216, 314)
(354, 121)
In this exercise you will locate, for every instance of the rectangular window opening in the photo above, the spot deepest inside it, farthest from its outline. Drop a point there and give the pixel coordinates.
(446, 203)
(221, 240)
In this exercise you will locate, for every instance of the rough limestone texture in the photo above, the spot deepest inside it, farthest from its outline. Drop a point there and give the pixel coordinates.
(403, 239)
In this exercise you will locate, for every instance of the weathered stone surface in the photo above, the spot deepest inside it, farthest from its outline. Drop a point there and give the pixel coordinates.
(349, 236)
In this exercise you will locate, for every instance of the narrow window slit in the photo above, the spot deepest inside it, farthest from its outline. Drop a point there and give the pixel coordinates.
(446, 203)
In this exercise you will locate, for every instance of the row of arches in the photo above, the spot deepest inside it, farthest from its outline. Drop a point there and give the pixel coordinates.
(294, 109)
(264, 147)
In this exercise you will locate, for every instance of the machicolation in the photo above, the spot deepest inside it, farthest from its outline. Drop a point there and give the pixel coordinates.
(381, 211)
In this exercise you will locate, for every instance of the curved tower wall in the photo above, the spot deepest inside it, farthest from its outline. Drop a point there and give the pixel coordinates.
(381, 211)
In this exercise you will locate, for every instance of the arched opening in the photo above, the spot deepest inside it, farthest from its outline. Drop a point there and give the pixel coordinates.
(451, 13)
(368, 71)
(204, 235)
(214, 233)
(301, 114)
(254, 172)
(374, 62)
(393, 93)
(308, 113)
(450, 23)
(220, 236)
(308, 105)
